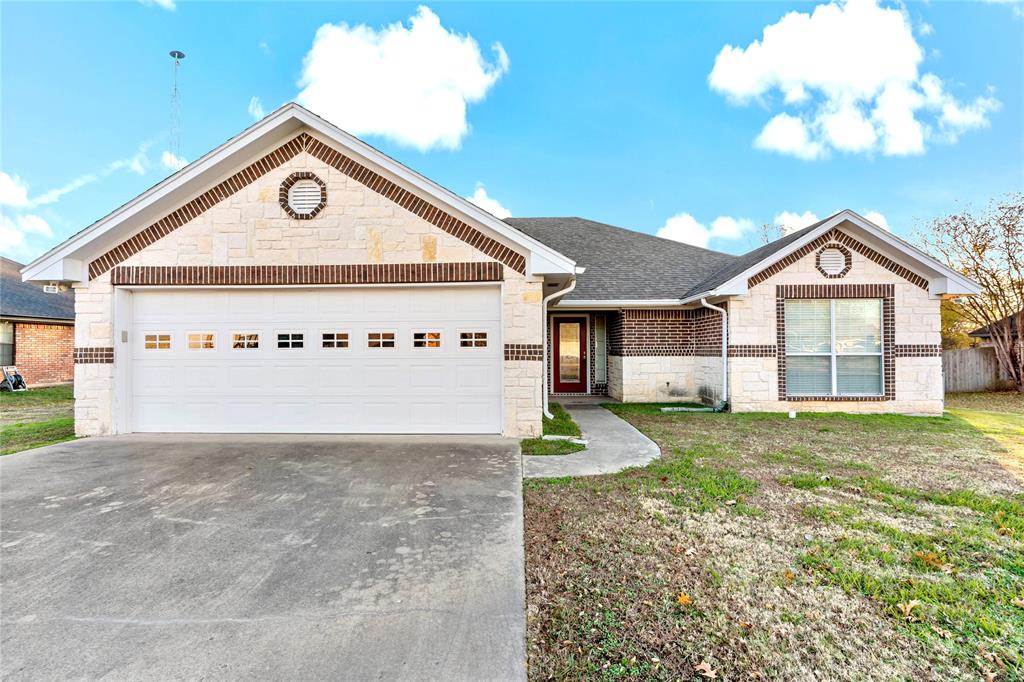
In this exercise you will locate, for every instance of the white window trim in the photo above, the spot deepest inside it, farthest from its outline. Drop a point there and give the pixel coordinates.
(170, 336)
(381, 347)
(208, 332)
(602, 365)
(832, 354)
(335, 347)
(289, 347)
(257, 333)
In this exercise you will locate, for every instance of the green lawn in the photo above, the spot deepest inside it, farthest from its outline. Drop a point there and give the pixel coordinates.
(829, 546)
(562, 424)
(37, 417)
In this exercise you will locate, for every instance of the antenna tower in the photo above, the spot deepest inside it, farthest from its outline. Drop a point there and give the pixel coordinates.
(174, 144)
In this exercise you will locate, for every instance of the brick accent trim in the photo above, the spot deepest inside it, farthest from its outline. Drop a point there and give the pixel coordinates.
(882, 291)
(524, 351)
(918, 350)
(845, 240)
(767, 350)
(304, 142)
(846, 255)
(274, 275)
(94, 355)
(289, 182)
(648, 332)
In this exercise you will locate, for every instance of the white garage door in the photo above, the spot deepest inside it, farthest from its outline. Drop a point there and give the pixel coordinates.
(354, 360)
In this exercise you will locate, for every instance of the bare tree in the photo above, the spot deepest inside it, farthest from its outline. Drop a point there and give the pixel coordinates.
(769, 232)
(988, 247)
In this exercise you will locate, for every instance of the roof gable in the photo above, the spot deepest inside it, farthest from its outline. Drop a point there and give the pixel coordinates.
(200, 185)
(851, 230)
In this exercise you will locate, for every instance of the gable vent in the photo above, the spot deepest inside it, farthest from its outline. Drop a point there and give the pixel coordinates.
(304, 197)
(832, 261)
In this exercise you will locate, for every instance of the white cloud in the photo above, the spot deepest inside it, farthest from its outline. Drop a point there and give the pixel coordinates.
(878, 219)
(683, 227)
(789, 135)
(171, 162)
(16, 233)
(791, 222)
(850, 71)
(13, 191)
(166, 4)
(264, 47)
(410, 84)
(256, 108)
(924, 29)
(487, 203)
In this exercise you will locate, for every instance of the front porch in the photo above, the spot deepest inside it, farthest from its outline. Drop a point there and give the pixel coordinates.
(634, 355)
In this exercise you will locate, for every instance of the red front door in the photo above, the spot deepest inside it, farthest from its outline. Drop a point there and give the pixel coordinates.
(570, 354)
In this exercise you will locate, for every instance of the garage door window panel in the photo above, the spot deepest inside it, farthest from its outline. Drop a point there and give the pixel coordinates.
(245, 341)
(472, 339)
(199, 341)
(156, 341)
(426, 339)
(334, 340)
(379, 340)
(290, 340)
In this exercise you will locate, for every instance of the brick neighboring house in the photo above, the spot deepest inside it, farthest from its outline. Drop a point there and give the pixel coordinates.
(37, 328)
(295, 279)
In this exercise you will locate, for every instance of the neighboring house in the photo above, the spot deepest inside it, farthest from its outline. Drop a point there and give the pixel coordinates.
(296, 279)
(37, 327)
(985, 333)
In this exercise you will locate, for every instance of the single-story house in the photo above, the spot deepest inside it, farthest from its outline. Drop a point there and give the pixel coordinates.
(984, 334)
(37, 327)
(295, 279)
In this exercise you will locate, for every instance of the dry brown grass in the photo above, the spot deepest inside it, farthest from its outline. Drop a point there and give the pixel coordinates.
(794, 542)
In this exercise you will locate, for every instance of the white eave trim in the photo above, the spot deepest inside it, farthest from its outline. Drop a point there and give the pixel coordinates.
(541, 259)
(620, 303)
(949, 282)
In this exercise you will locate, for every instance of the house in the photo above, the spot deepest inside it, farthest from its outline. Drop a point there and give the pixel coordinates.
(985, 333)
(37, 327)
(296, 279)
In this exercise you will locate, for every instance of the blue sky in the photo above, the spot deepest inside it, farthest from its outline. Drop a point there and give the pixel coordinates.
(659, 117)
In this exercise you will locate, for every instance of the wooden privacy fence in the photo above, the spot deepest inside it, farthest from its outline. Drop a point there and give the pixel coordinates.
(971, 369)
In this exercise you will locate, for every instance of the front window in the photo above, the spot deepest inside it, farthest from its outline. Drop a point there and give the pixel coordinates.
(834, 347)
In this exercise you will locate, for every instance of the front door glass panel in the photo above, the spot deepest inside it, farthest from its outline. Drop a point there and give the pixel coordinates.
(569, 358)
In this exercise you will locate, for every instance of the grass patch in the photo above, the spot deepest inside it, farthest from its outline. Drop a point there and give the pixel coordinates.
(830, 546)
(539, 446)
(36, 396)
(18, 437)
(561, 424)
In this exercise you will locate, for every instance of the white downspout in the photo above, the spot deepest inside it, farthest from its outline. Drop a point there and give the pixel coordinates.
(544, 333)
(725, 348)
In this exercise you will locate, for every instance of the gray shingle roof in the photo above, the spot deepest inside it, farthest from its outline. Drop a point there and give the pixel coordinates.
(622, 264)
(23, 299)
(625, 265)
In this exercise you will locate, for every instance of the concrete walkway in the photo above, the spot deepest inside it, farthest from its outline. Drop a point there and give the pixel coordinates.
(614, 445)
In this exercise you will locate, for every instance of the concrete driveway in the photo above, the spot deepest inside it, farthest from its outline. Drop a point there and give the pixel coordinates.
(287, 557)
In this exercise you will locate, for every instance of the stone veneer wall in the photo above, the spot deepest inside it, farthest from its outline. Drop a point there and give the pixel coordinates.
(357, 225)
(916, 376)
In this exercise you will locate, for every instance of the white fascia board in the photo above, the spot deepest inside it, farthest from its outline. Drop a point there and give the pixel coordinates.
(61, 270)
(275, 128)
(622, 303)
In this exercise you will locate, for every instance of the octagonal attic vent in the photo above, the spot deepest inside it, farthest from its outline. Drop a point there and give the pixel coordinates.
(303, 195)
(834, 261)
